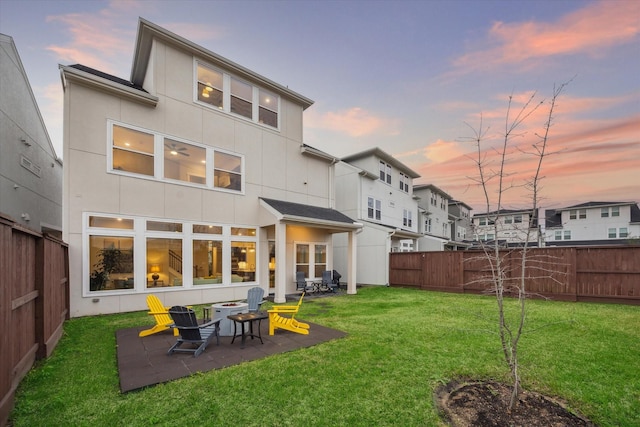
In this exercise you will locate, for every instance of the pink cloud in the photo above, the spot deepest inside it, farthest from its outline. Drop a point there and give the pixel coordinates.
(594, 160)
(355, 122)
(103, 40)
(589, 30)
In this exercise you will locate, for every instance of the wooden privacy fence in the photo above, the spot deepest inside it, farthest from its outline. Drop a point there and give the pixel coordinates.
(600, 274)
(34, 303)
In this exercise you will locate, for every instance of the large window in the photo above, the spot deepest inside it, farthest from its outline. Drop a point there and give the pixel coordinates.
(230, 94)
(111, 265)
(184, 162)
(165, 262)
(163, 158)
(138, 254)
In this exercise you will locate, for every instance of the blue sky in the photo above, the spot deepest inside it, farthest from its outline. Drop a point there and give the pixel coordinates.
(410, 77)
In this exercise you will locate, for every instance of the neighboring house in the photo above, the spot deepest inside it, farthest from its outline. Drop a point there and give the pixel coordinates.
(593, 223)
(375, 189)
(435, 225)
(461, 229)
(191, 181)
(513, 225)
(30, 171)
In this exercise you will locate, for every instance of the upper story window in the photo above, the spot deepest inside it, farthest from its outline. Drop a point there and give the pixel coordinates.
(604, 213)
(385, 172)
(156, 156)
(517, 219)
(407, 218)
(615, 211)
(482, 221)
(241, 97)
(236, 96)
(434, 199)
(578, 213)
(374, 208)
(404, 183)
(210, 86)
(508, 219)
(268, 112)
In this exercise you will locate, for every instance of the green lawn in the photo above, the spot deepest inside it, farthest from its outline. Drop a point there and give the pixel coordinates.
(401, 345)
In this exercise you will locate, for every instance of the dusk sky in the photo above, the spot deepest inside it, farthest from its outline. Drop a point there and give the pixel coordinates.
(410, 77)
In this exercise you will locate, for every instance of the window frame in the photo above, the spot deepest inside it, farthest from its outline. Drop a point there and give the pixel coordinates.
(227, 96)
(374, 209)
(159, 160)
(312, 262)
(140, 233)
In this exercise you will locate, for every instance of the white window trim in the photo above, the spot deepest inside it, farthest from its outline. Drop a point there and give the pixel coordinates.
(226, 97)
(140, 235)
(158, 160)
(312, 260)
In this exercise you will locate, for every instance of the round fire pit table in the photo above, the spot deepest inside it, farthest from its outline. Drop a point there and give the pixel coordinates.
(225, 309)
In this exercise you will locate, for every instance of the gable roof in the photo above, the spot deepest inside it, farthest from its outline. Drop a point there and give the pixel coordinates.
(298, 212)
(433, 189)
(382, 155)
(596, 205)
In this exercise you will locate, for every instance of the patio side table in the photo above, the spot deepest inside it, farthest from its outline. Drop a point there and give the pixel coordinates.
(251, 318)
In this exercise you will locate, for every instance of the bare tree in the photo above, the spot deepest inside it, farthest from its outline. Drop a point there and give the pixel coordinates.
(500, 280)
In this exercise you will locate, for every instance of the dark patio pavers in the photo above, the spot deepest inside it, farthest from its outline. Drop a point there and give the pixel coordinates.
(144, 361)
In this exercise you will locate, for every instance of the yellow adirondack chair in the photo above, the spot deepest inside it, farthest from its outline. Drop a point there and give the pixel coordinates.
(161, 315)
(276, 321)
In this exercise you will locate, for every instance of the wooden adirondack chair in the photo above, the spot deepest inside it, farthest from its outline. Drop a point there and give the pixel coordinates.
(277, 321)
(191, 333)
(161, 315)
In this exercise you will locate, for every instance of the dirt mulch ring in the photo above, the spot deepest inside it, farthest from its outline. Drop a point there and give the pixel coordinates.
(484, 404)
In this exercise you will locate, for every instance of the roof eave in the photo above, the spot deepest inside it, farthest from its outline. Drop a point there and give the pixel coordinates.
(147, 31)
(87, 79)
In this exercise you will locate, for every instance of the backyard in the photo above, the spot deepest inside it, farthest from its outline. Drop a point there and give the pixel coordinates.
(401, 345)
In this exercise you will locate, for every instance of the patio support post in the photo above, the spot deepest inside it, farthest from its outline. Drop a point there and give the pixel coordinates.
(352, 263)
(281, 263)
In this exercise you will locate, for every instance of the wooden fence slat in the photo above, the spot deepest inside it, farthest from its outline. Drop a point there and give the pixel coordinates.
(608, 274)
(34, 303)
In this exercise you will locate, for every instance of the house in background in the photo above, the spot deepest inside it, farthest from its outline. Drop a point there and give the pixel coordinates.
(593, 223)
(376, 190)
(30, 170)
(513, 226)
(461, 229)
(191, 181)
(435, 226)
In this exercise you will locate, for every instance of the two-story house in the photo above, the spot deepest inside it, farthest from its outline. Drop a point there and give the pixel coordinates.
(512, 225)
(30, 170)
(435, 226)
(191, 181)
(375, 189)
(593, 223)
